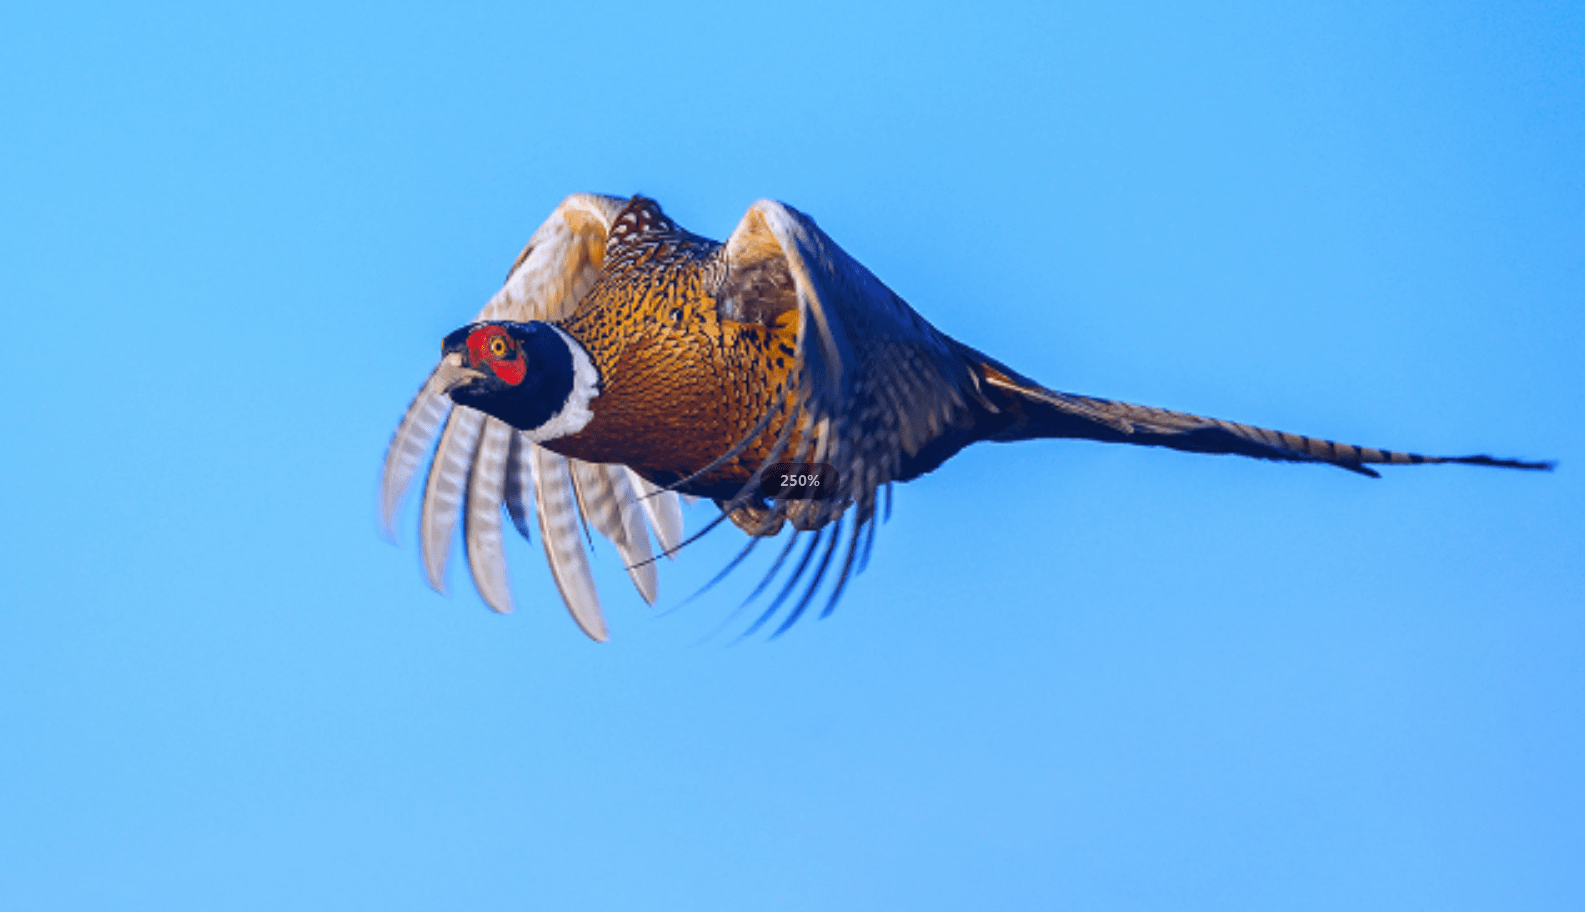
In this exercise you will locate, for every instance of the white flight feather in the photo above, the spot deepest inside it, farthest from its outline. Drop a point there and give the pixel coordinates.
(665, 513)
(557, 509)
(443, 493)
(482, 519)
(557, 268)
(409, 445)
(637, 551)
(603, 507)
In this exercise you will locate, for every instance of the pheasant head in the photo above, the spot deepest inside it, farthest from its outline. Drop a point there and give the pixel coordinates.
(533, 376)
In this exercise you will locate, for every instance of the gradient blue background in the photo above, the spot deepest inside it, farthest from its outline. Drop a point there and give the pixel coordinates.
(1075, 676)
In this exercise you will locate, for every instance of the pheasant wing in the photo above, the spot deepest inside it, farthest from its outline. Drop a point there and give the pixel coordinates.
(477, 467)
(877, 383)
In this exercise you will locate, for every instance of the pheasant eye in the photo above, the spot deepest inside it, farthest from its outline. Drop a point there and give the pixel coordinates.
(498, 347)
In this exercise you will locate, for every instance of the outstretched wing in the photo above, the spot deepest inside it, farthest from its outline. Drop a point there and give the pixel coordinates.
(877, 384)
(481, 462)
(887, 396)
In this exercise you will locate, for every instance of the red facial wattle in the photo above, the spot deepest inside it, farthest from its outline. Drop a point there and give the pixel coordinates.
(491, 347)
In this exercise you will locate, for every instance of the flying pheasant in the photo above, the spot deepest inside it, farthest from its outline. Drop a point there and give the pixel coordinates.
(626, 361)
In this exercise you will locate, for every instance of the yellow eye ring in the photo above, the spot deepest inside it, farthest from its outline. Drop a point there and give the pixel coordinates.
(498, 347)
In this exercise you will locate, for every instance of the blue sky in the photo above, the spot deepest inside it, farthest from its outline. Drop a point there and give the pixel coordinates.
(1074, 676)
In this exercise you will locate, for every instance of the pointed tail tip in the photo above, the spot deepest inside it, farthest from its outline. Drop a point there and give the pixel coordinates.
(1544, 465)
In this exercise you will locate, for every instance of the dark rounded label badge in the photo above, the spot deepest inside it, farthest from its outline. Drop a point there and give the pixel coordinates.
(799, 481)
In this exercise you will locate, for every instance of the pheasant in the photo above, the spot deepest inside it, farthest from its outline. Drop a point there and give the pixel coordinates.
(626, 362)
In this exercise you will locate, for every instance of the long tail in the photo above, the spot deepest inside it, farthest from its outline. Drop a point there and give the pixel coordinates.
(1041, 412)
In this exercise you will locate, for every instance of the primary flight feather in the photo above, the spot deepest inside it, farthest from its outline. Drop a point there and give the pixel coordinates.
(626, 361)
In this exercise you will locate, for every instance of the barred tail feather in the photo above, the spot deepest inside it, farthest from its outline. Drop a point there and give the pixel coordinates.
(1039, 412)
(1298, 447)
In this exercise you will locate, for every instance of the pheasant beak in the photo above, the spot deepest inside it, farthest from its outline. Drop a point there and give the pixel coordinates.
(453, 372)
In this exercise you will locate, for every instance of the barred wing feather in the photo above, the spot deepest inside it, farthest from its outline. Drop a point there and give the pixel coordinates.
(482, 518)
(481, 463)
(876, 384)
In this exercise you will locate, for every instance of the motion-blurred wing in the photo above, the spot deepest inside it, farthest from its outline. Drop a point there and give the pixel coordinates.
(481, 462)
(881, 395)
(876, 382)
